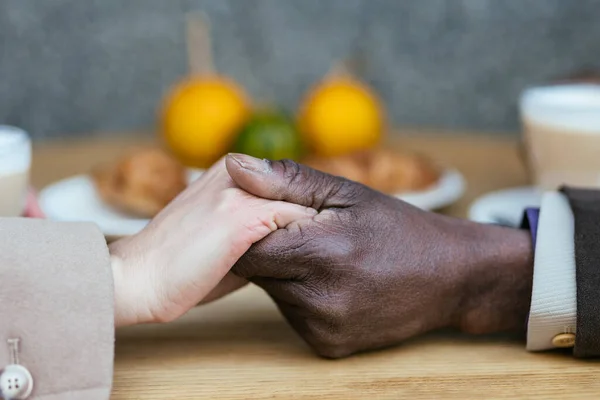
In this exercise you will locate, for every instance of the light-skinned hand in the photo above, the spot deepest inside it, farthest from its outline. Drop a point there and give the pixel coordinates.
(184, 255)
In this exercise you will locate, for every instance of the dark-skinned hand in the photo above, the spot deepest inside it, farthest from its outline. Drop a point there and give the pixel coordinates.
(370, 271)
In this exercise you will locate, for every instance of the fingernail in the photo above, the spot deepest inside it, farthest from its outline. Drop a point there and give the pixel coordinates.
(251, 163)
(311, 211)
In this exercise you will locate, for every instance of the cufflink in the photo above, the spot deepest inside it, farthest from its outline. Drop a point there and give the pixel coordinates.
(564, 340)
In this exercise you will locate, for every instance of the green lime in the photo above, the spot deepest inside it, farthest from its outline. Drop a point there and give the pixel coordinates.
(271, 135)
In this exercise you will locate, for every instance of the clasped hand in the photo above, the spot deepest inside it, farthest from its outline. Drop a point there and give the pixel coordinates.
(350, 268)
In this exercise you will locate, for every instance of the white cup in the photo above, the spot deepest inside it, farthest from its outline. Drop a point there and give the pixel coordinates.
(561, 127)
(15, 161)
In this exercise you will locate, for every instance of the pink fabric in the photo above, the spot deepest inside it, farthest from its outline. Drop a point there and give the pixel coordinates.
(32, 208)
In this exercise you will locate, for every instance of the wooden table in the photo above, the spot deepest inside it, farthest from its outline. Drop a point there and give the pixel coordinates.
(241, 348)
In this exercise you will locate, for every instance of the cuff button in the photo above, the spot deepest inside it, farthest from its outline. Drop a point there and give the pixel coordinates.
(16, 383)
(564, 340)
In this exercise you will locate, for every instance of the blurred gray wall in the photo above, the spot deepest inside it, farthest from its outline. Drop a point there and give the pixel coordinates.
(74, 67)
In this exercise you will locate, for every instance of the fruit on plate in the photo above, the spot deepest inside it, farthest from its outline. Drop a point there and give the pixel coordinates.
(384, 170)
(269, 134)
(142, 182)
(341, 115)
(200, 118)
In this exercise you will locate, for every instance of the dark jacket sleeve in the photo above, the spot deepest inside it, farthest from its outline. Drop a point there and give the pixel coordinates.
(585, 204)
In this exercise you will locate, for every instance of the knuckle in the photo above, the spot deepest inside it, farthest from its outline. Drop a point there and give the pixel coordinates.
(330, 325)
(333, 352)
(340, 248)
(358, 253)
(346, 191)
(229, 200)
(324, 300)
(298, 176)
(333, 339)
(163, 318)
(326, 296)
(165, 313)
(337, 311)
(328, 334)
(292, 171)
(244, 267)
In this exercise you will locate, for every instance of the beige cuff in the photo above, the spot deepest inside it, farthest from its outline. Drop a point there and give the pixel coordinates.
(554, 297)
(56, 296)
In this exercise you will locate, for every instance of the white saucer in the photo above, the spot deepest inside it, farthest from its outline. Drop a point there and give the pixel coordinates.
(450, 188)
(76, 199)
(505, 207)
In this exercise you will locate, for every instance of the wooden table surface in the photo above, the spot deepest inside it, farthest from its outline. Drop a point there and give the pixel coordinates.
(241, 348)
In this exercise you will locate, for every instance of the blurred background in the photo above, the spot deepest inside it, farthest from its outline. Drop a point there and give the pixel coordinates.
(73, 68)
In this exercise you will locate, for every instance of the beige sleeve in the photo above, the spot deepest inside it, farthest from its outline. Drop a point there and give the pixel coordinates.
(56, 296)
(554, 297)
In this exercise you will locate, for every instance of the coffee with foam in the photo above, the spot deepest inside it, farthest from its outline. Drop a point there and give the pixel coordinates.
(15, 160)
(562, 134)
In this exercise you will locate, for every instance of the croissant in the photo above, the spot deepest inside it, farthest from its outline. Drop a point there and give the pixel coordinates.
(384, 170)
(141, 183)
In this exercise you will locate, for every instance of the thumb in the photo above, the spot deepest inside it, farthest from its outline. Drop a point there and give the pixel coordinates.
(292, 182)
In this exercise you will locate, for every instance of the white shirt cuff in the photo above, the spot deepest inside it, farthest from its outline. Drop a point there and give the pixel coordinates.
(554, 297)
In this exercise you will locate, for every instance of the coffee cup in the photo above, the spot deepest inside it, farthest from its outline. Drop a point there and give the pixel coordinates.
(561, 128)
(15, 161)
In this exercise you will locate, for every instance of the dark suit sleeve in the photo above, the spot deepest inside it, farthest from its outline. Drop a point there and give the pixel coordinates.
(585, 204)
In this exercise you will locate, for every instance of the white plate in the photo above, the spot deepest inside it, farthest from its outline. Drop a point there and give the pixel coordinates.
(505, 207)
(76, 199)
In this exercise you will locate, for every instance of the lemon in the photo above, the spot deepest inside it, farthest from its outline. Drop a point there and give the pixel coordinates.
(271, 135)
(340, 116)
(200, 118)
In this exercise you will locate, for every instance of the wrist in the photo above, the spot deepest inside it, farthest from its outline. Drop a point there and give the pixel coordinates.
(121, 315)
(130, 292)
(496, 291)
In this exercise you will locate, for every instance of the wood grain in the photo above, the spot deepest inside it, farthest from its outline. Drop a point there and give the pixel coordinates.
(241, 348)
